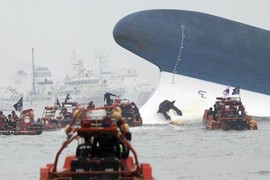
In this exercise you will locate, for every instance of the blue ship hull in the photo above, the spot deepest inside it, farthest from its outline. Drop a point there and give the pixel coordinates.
(199, 45)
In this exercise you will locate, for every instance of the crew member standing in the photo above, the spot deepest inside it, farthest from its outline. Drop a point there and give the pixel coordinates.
(91, 105)
(107, 98)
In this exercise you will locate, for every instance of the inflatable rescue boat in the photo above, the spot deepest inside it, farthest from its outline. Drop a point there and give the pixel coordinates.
(228, 114)
(100, 155)
(24, 126)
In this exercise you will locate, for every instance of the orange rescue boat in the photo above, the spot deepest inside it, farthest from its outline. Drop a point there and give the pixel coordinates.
(228, 114)
(101, 155)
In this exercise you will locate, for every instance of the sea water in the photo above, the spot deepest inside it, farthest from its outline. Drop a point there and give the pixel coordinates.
(181, 152)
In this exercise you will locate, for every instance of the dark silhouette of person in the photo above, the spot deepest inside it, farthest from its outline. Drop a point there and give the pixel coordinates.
(211, 112)
(14, 116)
(107, 98)
(165, 106)
(3, 121)
(91, 104)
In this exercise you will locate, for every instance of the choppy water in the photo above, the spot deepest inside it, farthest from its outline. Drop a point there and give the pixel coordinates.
(175, 152)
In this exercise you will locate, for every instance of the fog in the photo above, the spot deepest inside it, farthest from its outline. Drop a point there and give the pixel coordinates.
(55, 28)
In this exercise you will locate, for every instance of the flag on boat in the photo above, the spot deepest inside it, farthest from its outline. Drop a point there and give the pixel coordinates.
(57, 104)
(19, 105)
(236, 90)
(226, 92)
(67, 98)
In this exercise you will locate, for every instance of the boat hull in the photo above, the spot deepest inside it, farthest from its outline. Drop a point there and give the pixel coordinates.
(16, 132)
(73, 166)
(34, 129)
(199, 47)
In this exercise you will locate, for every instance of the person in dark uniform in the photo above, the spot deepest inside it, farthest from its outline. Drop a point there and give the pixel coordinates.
(165, 106)
(3, 121)
(14, 116)
(91, 105)
(107, 98)
(211, 112)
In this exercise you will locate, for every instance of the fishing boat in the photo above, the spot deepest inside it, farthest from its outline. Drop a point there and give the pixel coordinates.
(228, 114)
(25, 126)
(98, 155)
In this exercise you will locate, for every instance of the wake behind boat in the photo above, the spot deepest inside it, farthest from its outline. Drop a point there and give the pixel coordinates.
(198, 54)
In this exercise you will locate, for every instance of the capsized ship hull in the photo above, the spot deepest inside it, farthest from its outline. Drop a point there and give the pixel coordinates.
(193, 96)
(202, 48)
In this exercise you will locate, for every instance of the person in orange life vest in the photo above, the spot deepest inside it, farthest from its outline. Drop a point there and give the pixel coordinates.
(121, 124)
(123, 128)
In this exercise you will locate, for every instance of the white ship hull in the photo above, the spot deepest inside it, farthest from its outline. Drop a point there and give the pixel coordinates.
(192, 96)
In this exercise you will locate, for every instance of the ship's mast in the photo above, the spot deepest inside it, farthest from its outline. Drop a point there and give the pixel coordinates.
(101, 57)
(78, 66)
(34, 75)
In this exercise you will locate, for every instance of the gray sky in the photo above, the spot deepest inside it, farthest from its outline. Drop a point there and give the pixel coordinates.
(54, 28)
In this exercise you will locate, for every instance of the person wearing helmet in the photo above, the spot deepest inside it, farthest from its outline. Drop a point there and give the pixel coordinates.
(123, 128)
(211, 113)
(14, 116)
(91, 105)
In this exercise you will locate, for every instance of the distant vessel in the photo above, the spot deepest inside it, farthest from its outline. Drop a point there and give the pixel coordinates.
(44, 85)
(36, 88)
(199, 55)
(125, 82)
(83, 85)
(8, 95)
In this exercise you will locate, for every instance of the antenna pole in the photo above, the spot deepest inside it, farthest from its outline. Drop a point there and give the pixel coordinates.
(34, 79)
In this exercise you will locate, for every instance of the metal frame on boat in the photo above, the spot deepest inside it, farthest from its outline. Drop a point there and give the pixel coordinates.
(91, 162)
(48, 120)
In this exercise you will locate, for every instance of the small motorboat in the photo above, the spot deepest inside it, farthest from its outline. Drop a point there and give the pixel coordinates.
(228, 114)
(25, 125)
(104, 153)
